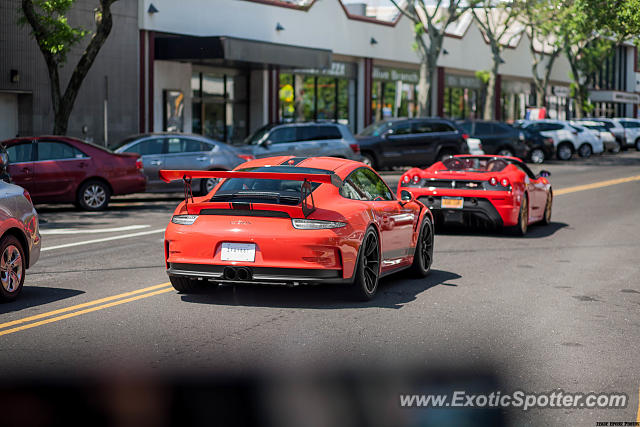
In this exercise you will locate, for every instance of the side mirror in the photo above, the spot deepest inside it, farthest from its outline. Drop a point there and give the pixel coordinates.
(387, 134)
(406, 197)
(4, 158)
(266, 143)
(544, 173)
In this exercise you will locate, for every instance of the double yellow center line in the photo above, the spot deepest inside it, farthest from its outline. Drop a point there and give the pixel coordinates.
(79, 309)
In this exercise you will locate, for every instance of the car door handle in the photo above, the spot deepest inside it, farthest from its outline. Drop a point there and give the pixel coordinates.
(201, 159)
(155, 162)
(26, 170)
(82, 165)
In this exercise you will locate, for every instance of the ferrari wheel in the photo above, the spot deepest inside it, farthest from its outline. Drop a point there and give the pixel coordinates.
(367, 270)
(546, 219)
(537, 156)
(423, 256)
(184, 285)
(523, 219)
(12, 268)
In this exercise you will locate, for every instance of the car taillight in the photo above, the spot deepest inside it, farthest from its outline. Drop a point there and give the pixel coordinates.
(504, 182)
(548, 140)
(355, 148)
(139, 165)
(27, 196)
(493, 181)
(465, 136)
(246, 157)
(406, 179)
(415, 179)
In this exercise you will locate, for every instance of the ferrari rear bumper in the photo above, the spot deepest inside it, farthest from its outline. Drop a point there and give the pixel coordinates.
(242, 274)
(474, 210)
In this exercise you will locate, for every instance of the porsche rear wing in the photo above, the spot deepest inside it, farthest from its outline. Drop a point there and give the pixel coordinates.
(305, 188)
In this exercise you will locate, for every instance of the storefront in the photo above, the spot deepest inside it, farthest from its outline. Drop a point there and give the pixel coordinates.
(319, 94)
(515, 95)
(394, 93)
(463, 97)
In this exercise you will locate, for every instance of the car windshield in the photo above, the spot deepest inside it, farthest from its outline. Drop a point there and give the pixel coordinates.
(475, 164)
(287, 192)
(376, 129)
(258, 136)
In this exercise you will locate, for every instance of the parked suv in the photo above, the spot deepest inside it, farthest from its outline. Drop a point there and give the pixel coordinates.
(303, 140)
(632, 132)
(410, 142)
(497, 138)
(615, 127)
(568, 138)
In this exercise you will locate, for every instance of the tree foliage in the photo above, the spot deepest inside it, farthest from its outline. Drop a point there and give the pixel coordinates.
(55, 37)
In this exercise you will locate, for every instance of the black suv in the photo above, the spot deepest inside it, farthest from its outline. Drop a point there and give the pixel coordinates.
(410, 142)
(497, 138)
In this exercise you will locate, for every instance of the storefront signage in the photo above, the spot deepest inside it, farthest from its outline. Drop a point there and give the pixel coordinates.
(395, 74)
(516, 86)
(612, 96)
(468, 82)
(337, 69)
(561, 91)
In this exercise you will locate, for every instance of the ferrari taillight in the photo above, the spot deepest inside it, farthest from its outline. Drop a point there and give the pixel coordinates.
(415, 179)
(504, 182)
(493, 181)
(406, 179)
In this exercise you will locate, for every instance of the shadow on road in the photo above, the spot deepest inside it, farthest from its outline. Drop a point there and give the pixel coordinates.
(33, 296)
(393, 292)
(536, 231)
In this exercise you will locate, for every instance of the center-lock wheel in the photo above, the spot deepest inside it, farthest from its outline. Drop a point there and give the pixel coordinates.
(546, 219)
(367, 270)
(523, 218)
(423, 257)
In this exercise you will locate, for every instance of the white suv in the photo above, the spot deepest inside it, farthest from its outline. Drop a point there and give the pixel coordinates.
(568, 138)
(631, 131)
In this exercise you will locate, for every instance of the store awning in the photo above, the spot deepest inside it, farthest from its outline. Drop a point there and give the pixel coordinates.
(205, 49)
(614, 96)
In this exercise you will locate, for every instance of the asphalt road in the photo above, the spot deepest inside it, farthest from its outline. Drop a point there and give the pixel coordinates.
(559, 308)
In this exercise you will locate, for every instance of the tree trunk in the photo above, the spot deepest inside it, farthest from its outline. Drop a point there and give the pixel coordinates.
(424, 89)
(541, 100)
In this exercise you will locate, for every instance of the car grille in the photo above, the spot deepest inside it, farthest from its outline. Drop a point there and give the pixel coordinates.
(446, 183)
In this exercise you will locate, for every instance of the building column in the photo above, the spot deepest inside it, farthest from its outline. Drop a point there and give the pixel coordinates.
(368, 84)
(150, 67)
(439, 89)
(142, 65)
(498, 98)
(273, 93)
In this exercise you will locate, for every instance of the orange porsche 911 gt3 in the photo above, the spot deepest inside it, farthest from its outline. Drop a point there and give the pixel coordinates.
(292, 221)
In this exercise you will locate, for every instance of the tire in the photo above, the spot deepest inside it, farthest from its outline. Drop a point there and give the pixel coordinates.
(505, 152)
(523, 219)
(367, 271)
(565, 151)
(93, 196)
(637, 144)
(585, 151)
(423, 257)
(207, 184)
(546, 219)
(537, 156)
(184, 285)
(369, 160)
(616, 149)
(12, 268)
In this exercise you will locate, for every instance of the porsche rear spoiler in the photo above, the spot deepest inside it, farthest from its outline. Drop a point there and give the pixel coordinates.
(305, 189)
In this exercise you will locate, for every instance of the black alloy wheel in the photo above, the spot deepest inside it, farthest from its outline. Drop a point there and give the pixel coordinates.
(367, 271)
(423, 257)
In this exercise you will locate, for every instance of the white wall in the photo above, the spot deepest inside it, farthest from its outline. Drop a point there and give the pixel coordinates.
(171, 75)
(8, 115)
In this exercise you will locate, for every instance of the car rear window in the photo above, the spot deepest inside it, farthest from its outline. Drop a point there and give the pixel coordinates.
(474, 164)
(286, 192)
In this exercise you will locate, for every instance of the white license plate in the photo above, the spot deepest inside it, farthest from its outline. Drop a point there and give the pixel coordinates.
(452, 202)
(238, 252)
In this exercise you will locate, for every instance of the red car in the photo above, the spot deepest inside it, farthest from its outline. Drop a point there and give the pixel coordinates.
(58, 169)
(468, 189)
(289, 221)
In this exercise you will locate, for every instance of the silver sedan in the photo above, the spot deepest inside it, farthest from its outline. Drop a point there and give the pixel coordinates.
(181, 151)
(19, 239)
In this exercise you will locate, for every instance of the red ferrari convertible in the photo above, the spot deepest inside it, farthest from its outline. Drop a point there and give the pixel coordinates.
(467, 189)
(291, 221)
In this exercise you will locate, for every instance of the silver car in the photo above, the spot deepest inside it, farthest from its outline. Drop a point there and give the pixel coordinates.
(303, 140)
(181, 151)
(20, 239)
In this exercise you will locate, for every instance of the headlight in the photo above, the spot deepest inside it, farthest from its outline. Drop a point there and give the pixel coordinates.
(184, 219)
(314, 224)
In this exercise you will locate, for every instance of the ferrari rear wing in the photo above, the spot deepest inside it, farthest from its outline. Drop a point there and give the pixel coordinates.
(305, 189)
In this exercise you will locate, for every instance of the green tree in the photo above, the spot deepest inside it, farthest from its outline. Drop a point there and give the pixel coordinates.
(496, 22)
(55, 38)
(430, 23)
